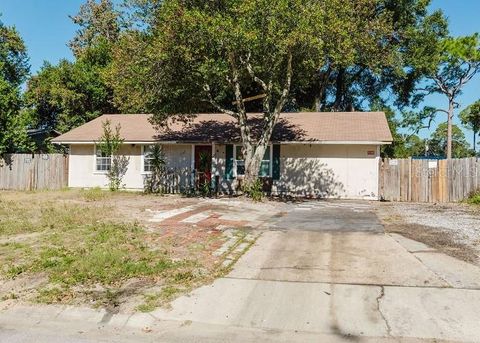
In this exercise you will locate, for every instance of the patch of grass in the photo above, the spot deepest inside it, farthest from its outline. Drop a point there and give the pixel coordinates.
(473, 198)
(78, 247)
(50, 295)
(94, 194)
(106, 254)
(18, 217)
(9, 296)
(152, 301)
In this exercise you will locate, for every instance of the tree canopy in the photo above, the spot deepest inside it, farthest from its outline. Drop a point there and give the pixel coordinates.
(438, 142)
(456, 62)
(176, 58)
(470, 118)
(212, 55)
(68, 94)
(14, 69)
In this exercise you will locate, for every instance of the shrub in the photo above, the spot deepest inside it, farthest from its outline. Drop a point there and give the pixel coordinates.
(110, 143)
(254, 190)
(474, 198)
(94, 194)
(153, 182)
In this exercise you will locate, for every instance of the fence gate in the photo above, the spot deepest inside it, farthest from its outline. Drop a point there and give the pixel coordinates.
(428, 180)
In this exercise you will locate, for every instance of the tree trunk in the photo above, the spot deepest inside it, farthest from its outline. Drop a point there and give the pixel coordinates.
(449, 129)
(253, 158)
(475, 142)
(322, 87)
(340, 90)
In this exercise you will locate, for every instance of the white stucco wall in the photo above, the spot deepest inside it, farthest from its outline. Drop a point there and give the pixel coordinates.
(82, 167)
(82, 172)
(330, 171)
(316, 170)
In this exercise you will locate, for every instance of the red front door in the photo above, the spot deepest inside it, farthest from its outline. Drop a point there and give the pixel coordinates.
(203, 161)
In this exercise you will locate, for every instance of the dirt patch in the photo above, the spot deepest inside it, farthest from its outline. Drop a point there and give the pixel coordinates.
(453, 229)
(101, 248)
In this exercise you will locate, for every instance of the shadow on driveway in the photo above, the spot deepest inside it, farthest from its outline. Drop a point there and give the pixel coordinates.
(329, 216)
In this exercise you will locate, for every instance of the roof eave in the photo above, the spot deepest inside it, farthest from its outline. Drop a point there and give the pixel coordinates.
(349, 142)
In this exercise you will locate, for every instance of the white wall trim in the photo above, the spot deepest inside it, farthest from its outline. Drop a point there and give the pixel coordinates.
(95, 171)
(142, 160)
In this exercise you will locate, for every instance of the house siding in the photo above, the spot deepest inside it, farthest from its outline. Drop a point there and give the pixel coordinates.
(82, 172)
(328, 171)
(309, 170)
(82, 167)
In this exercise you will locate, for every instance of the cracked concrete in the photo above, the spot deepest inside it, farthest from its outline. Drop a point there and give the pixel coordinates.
(379, 309)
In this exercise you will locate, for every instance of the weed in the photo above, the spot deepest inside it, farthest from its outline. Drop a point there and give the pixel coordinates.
(94, 194)
(254, 190)
(152, 301)
(50, 295)
(9, 296)
(474, 198)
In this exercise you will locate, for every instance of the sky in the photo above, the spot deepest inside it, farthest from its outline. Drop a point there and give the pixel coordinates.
(46, 29)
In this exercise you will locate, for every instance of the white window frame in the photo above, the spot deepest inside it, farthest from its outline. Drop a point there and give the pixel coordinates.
(143, 159)
(235, 161)
(95, 171)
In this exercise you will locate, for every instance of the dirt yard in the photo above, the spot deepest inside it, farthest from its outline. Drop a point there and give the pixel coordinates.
(451, 228)
(121, 251)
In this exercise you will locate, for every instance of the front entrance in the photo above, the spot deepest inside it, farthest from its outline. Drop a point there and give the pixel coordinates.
(203, 163)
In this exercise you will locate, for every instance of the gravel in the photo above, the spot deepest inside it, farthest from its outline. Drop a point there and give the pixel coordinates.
(458, 224)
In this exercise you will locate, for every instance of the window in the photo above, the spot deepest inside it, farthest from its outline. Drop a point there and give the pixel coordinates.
(240, 162)
(147, 158)
(102, 160)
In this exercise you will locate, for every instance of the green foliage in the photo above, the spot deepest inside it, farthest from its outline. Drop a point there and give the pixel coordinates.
(198, 56)
(71, 93)
(14, 69)
(110, 144)
(474, 198)
(407, 35)
(94, 194)
(156, 178)
(438, 142)
(470, 118)
(183, 52)
(98, 22)
(254, 190)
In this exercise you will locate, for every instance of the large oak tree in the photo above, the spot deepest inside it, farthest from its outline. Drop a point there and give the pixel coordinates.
(209, 54)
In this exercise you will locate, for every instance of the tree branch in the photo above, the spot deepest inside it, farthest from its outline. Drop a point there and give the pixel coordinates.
(272, 118)
(242, 114)
(252, 73)
(215, 104)
(286, 88)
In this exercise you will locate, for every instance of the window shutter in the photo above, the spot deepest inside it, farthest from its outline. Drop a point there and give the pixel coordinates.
(228, 162)
(276, 162)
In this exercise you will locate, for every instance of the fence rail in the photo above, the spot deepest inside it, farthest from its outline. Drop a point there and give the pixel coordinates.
(428, 180)
(33, 172)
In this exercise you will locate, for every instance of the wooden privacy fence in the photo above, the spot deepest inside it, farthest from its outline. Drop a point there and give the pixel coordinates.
(428, 180)
(33, 172)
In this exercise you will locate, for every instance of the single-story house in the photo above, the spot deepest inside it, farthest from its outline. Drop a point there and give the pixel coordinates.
(311, 154)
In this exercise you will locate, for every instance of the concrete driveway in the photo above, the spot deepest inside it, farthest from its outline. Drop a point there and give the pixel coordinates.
(319, 272)
(328, 268)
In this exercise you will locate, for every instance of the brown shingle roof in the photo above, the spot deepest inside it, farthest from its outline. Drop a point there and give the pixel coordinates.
(292, 127)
